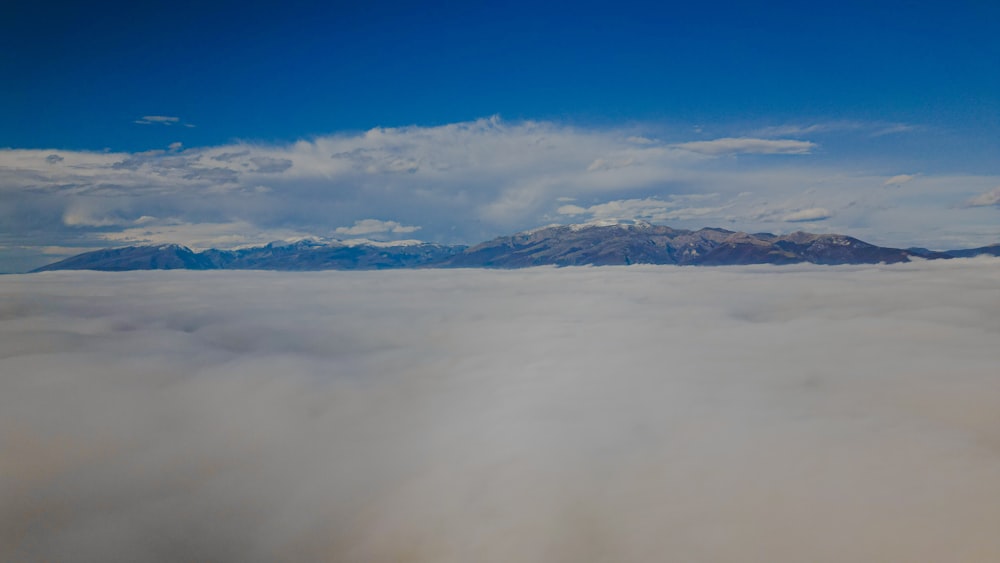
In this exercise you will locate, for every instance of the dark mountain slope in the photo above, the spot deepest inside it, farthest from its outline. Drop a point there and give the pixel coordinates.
(303, 255)
(161, 257)
(562, 245)
(642, 243)
(991, 250)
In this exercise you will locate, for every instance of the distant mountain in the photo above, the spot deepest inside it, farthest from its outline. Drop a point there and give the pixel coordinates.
(310, 255)
(560, 245)
(160, 257)
(642, 243)
(303, 255)
(992, 250)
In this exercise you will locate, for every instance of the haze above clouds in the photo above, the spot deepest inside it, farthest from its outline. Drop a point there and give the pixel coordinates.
(803, 413)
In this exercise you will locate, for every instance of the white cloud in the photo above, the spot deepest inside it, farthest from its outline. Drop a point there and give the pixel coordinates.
(810, 214)
(870, 128)
(160, 119)
(62, 251)
(81, 218)
(806, 129)
(370, 226)
(747, 145)
(991, 197)
(899, 179)
(647, 209)
(199, 236)
(640, 140)
(571, 210)
(893, 129)
(270, 165)
(83, 214)
(601, 164)
(491, 416)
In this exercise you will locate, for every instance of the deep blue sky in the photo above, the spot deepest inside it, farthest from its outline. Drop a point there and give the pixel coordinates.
(77, 74)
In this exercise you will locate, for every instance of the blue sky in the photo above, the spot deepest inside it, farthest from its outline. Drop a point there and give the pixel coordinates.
(877, 89)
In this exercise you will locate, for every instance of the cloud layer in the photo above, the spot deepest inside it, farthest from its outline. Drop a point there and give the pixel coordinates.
(467, 182)
(623, 414)
(160, 120)
(811, 214)
(744, 145)
(991, 197)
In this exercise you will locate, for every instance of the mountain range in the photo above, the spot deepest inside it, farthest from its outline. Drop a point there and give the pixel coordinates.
(599, 244)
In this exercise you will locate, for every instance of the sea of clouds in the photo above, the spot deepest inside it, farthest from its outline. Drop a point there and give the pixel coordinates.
(748, 414)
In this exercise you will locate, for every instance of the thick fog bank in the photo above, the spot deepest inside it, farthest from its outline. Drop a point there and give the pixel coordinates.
(755, 414)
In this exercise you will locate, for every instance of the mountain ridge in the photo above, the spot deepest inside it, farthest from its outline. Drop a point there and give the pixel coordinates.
(598, 244)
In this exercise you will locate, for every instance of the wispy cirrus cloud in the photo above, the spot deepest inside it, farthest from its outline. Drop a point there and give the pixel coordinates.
(808, 215)
(159, 119)
(747, 145)
(866, 128)
(791, 129)
(162, 120)
(893, 129)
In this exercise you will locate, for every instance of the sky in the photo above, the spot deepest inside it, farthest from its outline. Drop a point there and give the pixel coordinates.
(549, 415)
(237, 123)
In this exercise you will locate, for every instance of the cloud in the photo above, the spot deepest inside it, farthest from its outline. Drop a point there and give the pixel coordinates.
(646, 209)
(991, 197)
(60, 251)
(870, 128)
(464, 183)
(160, 119)
(893, 129)
(571, 210)
(746, 145)
(175, 146)
(640, 140)
(810, 214)
(899, 179)
(807, 129)
(230, 156)
(84, 214)
(270, 165)
(199, 236)
(471, 415)
(600, 164)
(370, 226)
